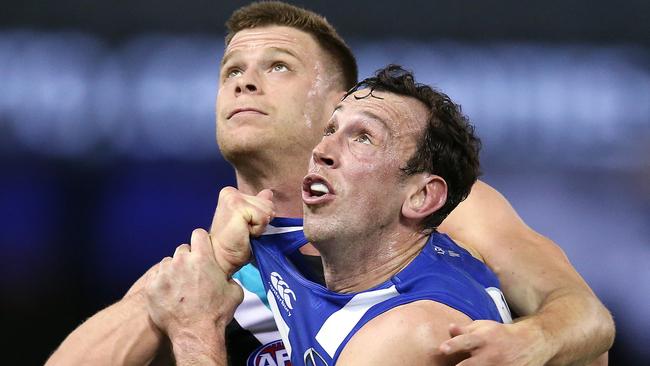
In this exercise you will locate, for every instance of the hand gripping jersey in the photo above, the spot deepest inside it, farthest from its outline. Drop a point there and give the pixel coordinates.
(315, 324)
(252, 338)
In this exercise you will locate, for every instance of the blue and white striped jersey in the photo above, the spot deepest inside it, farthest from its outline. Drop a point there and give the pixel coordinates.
(315, 323)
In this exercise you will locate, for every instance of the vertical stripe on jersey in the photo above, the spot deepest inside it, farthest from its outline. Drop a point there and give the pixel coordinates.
(340, 324)
(253, 313)
(282, 325)
(250, 279)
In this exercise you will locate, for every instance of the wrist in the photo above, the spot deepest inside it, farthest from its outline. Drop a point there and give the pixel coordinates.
(201, 346)
(229, 261)
(540, 341)
(137, 301)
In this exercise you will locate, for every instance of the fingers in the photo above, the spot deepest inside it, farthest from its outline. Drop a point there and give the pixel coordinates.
(265, 194)
(264, 213)
(263, 200)
(236, 291)
(156, 279)
(164, 265)
(455, 330)
(469, 362)
(201, 243)
(461, 344)
(258, 222)
(256, 211)
(223, 194)
(183, 248)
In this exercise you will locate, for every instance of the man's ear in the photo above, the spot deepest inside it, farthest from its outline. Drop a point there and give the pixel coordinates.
(428, 194)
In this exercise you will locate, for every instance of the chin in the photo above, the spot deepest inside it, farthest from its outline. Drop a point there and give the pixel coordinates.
(234, 148)
(311, 233)
(319, 230)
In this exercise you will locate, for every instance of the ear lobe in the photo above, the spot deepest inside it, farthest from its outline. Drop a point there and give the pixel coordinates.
(428, 197)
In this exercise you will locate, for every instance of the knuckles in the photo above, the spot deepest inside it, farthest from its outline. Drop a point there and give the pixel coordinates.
(226, 191)
(230, 197)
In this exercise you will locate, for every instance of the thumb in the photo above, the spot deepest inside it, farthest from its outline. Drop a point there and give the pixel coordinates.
(455, 330)
(266, 194)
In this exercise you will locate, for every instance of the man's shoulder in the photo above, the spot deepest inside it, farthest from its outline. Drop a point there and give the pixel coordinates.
(411, 334)
(421, 317)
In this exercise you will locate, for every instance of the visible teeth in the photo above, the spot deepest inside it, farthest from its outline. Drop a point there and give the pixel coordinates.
(319, 187)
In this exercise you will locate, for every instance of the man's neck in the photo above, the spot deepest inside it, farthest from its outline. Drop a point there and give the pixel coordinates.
(287, 195)
(368, 262)
(285, 183)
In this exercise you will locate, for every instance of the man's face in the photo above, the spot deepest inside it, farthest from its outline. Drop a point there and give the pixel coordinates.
(275, 93)
(355, 186)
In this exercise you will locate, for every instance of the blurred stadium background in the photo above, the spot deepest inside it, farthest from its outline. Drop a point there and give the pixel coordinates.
(108, 157)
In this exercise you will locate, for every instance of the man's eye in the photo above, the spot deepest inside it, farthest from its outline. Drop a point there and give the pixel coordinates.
(233, 73)
(280, 68)
(329, 131)
(364, 139)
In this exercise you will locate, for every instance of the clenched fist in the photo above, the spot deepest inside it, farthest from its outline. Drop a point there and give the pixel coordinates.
(238, 216)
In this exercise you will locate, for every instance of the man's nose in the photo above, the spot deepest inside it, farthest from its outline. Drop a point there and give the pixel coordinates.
(324, 153)
(247, 84)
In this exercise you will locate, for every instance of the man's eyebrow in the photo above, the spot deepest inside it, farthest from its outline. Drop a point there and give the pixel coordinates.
(283, 50)
(373, 116)
(336, 109)
(227, 57)
(368, 114)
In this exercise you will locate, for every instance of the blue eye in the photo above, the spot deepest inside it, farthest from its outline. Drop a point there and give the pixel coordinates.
(280, 68)
(233, 73)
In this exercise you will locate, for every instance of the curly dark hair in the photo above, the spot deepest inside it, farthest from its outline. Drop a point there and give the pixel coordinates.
(264, 13)
(447, 148)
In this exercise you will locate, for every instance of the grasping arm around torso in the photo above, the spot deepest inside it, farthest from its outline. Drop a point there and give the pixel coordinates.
(564, 322)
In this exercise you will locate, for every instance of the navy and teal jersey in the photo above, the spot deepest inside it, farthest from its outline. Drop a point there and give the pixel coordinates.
(252, 338)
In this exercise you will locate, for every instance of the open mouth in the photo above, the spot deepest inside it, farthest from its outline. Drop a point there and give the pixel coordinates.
(316, 190)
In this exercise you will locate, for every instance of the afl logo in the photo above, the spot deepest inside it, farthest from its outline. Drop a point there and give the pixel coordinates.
(312, 358)
(270, 354)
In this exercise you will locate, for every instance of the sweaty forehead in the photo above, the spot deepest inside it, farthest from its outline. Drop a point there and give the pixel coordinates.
(401, 113)
(292, 39)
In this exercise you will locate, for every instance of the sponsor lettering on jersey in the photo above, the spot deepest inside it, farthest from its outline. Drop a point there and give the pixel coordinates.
(270, 354)
(282, 292)
(441, 251)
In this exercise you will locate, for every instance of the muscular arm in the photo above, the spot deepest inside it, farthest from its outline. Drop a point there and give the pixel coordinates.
(121, 334)
(124, 334)
(562, 316)
(410, 335)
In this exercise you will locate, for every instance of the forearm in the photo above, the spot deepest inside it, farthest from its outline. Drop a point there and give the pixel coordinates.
(121, 334)
(575, 327)
(564, 321)
(205, 348)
